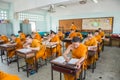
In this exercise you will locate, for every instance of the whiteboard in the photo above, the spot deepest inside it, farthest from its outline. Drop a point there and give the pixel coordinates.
(106, 23)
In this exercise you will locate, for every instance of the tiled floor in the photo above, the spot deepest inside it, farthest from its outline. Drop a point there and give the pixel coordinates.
(108, 68)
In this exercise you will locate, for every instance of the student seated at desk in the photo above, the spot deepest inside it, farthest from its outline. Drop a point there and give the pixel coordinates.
(22, 36)
(91, 42)
(71, 35)
(55, 39)
(36, 45)
(60, 34)
(79, 51)
(6, 76)
(4, 38)
(101, 33)
(15, 41)
(37, 36)
(97, 36)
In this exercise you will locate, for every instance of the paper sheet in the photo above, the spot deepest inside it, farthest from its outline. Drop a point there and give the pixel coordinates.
(73, 61)
(25, 50)
(59, 59)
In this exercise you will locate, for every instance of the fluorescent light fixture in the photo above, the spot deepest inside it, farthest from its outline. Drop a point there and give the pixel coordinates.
(62, 6)
(95, 1)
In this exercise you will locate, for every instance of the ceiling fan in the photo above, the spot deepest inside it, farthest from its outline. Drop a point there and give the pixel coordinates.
(51, 8)
(85, 1)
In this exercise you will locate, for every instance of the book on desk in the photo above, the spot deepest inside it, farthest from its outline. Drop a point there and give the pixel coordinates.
(61, 60)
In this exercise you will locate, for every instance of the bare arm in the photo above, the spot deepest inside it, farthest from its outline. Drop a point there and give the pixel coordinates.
(67, 52)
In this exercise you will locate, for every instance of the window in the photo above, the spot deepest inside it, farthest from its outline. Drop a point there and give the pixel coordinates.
(31, 17)
(3, 14)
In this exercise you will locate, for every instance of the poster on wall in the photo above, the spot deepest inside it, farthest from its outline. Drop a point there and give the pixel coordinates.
(106, 23)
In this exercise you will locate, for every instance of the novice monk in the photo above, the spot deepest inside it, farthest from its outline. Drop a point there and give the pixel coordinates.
(4, 38)
(60, 34)
(101, 33)
(79, 51)
(36, 36)
(36, 45)
(55, 39)
(22, 36)
(17, 42)
(73, 27)
(71, 35)
(91, 42)
(6, 76)
(97, 36)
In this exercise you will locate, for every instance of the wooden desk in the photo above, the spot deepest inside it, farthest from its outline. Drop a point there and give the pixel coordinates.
(7, 48)
(26, 53)
(114, 38)
(51, 45)
(63, 68)
(1, 41)
(92, 53)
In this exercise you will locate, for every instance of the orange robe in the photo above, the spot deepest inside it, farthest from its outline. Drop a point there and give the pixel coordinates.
(91, 42)
(40, 54)
(19, 45)
(56, 50)
(73, 27)
(102, 34)
(4, 38)
(22, 37)
(98, 38)
(6, 76)
(79, 35)
(37, 36)
(61, 35)
(71, 35)
(79, 52)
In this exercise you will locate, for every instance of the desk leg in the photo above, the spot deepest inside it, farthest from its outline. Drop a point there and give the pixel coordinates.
(27, 69)
(7, 58)
(51, 73)
(18, 63)
(2, 52)
(60, 76)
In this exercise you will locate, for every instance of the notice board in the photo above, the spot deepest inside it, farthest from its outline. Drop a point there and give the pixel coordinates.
(106, 23)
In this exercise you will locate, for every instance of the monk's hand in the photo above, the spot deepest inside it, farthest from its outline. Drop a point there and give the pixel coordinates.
(67, 59)
(78, 65)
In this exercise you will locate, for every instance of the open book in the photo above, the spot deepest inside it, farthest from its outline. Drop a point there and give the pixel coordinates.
(62, 60)
(24, 50)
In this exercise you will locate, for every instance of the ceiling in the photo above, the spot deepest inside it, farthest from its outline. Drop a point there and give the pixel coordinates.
(74, 7)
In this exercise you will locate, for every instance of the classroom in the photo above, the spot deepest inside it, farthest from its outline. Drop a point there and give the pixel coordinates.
(59, 39)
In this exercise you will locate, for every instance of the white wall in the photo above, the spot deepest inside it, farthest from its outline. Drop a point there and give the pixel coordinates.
(116, 15)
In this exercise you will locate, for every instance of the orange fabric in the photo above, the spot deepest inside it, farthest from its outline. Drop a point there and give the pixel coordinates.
(22, 37)
(19, 45)
(101, 34)
(37, 36)
(4, 38)
(57, 49)
(98, 38)
(40, 54)
(6, 76)
(79, 52)
(61, 35)
(73, 27)
(91, 42)
(79, 35)
(71, 35)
